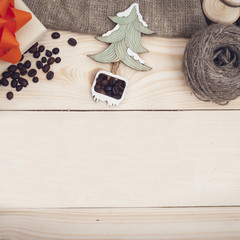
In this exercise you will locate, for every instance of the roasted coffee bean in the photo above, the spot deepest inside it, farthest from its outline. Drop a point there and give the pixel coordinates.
(109, 93)
(10, 95)
(123, 84)
(115, 90)
(36, 44)
(36, 54)
(51, 61)
(19, 66)
(50, 75)
(27, 64)
(23, 82)
(21, 58)
(19, 88)
(48, 53)
(112, 81)
(55, 35)
(32, 49)
(35, 79)
(46, 68)
(117, 97)
(44, 59)
(108, 88)
(58, 60)
(39, 64)
(99, 80)
(23, 71)
(72, 42)
(55, 50)
(98, 88)
(12, 68)
(15, 75)
(105, 82)
(6, 74)
(4, 82)
(32, 73)
(103, 76)
(41, 48)
(14, 83)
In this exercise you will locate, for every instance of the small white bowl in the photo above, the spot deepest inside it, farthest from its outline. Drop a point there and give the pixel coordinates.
(111, 101)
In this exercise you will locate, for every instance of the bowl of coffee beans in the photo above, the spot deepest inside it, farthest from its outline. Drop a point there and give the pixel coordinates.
(108, 87)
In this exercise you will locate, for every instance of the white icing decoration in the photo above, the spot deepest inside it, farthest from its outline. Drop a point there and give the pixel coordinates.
(135, 56)
(129, 10)
(103, 98)
(111, 31)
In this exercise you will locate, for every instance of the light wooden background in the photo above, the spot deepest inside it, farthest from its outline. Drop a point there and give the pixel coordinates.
(162, 165)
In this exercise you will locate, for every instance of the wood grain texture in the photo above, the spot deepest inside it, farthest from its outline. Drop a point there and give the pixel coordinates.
(162, 88)
(138, 224)
(119, 159)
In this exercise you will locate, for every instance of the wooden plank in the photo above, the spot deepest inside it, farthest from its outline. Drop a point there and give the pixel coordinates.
(162, 88)
(139, 224)
(119, 159)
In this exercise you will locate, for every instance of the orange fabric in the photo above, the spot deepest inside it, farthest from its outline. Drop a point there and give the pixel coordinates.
(11, 20)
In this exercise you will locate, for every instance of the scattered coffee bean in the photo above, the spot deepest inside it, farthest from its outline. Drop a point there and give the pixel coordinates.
(51, 61)
(55, 50)
(19, 66)
(36, 44)
(6, 74)
(14, 83)
(46, 68)
(50, 75)
(23, 71)
(32, 49)
(72, 42)
(4, 82)
(44, 59)
(58, 60)
(19, 88)
(10, 95)
(39, 64)
(55, 35)
(12, 68)
(32, 73)
(48, 53)
(36, 54)
(15, 75)
(21, 58)
(35, 79)
(41, 48)
(27, 64)
(23, 82)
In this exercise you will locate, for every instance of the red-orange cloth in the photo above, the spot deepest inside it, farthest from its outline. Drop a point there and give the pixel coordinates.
(11, 20)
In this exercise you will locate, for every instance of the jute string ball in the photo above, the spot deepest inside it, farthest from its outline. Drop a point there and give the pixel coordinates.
(211, 63)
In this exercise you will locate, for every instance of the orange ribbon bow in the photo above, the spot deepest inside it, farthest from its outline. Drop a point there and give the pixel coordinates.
(11, 20)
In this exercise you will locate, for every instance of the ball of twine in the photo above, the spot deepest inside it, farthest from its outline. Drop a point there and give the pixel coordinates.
(211, 63)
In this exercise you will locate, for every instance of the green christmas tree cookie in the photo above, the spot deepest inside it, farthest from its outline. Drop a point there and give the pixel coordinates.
(125, 40)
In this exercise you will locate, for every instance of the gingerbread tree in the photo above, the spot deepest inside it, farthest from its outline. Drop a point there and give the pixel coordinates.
(125, 40)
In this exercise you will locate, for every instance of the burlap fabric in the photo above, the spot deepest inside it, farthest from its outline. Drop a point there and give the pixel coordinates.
(168, 18)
